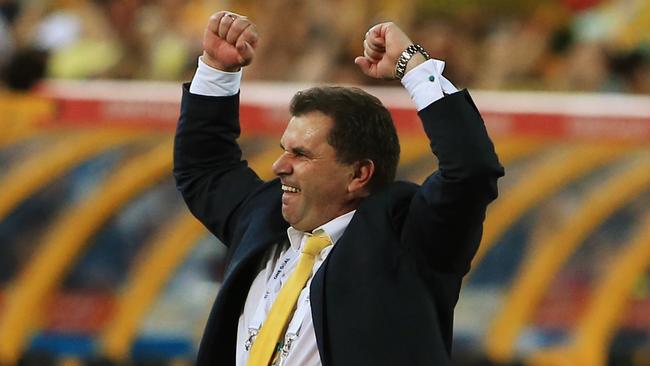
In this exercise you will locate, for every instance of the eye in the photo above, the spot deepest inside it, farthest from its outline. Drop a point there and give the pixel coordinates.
(295, 152)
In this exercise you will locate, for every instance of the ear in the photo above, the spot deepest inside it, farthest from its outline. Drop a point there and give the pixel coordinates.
(361, 176)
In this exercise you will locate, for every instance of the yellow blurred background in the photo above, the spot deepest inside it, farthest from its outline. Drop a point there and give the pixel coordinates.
(101, 263)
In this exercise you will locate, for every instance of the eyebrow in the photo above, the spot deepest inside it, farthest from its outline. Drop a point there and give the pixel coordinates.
(299, 150)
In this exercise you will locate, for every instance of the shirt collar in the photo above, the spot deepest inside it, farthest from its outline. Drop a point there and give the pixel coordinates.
(334, 229)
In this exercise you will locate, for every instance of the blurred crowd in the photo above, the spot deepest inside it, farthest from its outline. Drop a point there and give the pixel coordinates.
(557, 45)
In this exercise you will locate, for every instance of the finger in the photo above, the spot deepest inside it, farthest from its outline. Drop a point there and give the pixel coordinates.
(376, 38)
(213, 22)
(236, 29)
(364, 64)
(373, 51)
(375, 46)
(250, 35)
(376, 31)
(246, 52)
(224, 24)
(370, 53)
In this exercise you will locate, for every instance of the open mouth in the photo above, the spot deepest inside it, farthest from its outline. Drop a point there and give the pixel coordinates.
(290, 189)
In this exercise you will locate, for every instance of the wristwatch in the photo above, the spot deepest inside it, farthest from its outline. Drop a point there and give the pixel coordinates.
(404, 59)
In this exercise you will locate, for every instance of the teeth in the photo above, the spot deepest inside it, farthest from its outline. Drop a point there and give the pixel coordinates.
(287, 188)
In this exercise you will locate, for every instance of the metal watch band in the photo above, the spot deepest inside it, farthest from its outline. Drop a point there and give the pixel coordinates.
(404, 59)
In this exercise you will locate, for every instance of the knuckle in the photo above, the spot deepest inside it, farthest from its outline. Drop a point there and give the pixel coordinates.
(251, 34)
(240, 26)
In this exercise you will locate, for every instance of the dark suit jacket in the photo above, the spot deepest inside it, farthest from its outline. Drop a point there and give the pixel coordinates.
(386, 293)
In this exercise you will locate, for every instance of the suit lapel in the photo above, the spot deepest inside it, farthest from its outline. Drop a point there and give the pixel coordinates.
(265, 228)
(316, 295)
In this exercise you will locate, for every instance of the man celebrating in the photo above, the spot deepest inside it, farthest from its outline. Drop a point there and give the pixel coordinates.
(333, 262)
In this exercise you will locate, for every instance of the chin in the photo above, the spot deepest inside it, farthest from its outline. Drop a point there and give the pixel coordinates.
(296, 225)
(291, 222)
(300, 227)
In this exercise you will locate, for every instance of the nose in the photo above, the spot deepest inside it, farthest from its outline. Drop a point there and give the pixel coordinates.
(282, 166)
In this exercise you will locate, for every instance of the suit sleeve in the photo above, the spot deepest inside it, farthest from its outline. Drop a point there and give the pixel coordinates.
(444, 223)
(210, 174)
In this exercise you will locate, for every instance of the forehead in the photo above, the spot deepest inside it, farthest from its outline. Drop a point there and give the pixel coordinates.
(308, 129)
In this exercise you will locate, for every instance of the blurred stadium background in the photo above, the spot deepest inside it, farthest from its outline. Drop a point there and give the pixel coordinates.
(101, 264)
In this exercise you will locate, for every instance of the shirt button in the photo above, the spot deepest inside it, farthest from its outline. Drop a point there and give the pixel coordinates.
(432, 78)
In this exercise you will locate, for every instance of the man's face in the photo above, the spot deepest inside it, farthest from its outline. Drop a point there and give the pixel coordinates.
(314, 183)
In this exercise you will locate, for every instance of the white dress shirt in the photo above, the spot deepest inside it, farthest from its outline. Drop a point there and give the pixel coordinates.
(425, 85)
(267, 285)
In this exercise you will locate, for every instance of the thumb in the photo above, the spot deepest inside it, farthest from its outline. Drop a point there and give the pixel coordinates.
(364, 64)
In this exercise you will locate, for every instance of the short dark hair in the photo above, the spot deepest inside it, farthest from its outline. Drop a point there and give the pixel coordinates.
(363, 128)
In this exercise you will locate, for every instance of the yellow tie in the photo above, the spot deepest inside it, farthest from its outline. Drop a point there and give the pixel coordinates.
(265, 343)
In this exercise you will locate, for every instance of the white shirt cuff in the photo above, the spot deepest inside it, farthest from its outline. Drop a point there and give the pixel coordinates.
(215, 83)
(426, 84)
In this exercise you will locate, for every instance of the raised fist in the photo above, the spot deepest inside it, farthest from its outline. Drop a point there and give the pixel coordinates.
(382, 47)
(229, 41)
